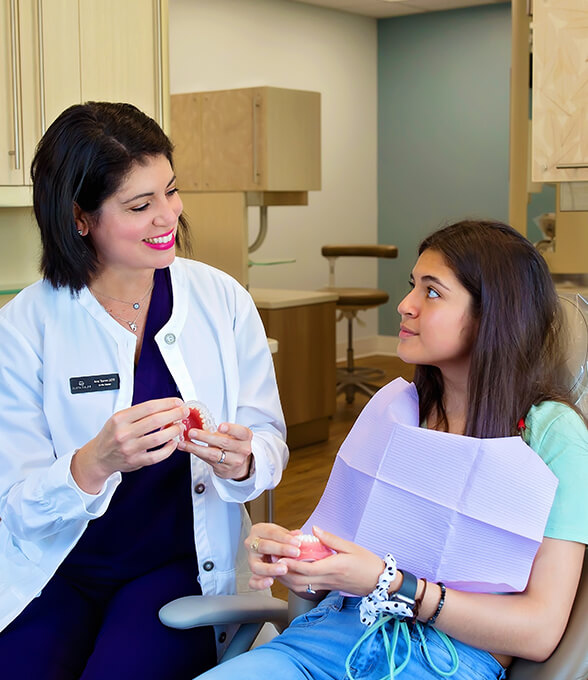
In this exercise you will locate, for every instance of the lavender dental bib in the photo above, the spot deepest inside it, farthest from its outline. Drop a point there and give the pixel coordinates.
(469, 512)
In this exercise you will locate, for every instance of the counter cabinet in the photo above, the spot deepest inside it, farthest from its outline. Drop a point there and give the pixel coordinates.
(303, 323)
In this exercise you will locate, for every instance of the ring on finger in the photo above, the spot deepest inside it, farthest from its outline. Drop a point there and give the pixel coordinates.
(310, 590)
(222, 457)
(254, 545)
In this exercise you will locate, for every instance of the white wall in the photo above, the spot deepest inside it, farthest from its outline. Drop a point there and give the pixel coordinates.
(223, 44)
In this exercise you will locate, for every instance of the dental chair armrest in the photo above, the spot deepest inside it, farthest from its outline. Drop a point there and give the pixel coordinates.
(213, 610)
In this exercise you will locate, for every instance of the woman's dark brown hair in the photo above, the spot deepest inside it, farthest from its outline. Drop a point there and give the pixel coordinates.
(517, 356)
(83, 158)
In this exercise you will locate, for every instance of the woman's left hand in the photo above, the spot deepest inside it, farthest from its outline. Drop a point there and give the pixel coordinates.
(228, 450)
(352, 569)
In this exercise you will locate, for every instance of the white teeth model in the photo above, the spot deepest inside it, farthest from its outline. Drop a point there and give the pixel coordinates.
(308, 538)
(160, 239)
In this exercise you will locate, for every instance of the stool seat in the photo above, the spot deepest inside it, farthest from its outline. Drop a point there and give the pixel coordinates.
(360, 250)
(360, 298)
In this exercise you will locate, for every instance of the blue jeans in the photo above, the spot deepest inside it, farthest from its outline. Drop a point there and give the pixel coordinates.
(316, 645)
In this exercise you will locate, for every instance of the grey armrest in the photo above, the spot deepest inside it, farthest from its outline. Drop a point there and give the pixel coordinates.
(211, 610)
(298, 605)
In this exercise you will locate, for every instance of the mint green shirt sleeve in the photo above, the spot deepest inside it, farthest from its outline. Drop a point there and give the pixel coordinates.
(559, 435)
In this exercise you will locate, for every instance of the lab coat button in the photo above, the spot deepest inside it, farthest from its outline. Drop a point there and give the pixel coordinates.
(208, 566)
(199, 488)
(170, 338)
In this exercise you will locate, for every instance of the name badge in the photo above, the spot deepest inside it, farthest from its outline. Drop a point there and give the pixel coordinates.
(94, 383)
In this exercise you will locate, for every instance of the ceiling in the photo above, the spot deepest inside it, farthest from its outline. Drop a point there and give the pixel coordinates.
(382, 9)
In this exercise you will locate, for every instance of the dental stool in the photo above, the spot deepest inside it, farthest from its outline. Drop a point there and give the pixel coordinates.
(352, 379)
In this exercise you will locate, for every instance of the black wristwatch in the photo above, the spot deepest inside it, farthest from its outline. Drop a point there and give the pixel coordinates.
(406, 594)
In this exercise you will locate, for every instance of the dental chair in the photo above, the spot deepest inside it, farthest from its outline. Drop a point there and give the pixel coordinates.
(568, 662)
(250, 612)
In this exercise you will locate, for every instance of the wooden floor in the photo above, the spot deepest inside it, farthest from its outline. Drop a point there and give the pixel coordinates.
(308, 470)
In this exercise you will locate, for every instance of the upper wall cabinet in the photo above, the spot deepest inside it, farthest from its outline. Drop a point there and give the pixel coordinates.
(560, 91)
(55, 53)
(252, 139)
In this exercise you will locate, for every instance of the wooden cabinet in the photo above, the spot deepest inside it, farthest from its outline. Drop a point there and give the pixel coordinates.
(569, 248)
(560, 91)
(219, 231)
(60, 52)
(123, 47)
(251, 139)
(33, 46)
(303, 323)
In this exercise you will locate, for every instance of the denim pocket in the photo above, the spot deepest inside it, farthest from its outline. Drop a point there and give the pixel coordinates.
(474, 663)
(370, 659)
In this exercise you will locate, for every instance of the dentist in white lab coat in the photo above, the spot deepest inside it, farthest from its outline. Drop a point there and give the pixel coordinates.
(104, 515)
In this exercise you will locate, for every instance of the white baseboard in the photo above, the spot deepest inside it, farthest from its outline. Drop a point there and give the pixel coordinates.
(365, 347)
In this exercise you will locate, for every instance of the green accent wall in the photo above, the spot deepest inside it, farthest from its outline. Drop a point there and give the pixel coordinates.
(443, 130)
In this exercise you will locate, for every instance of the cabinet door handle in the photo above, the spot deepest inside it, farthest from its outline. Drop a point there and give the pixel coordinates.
(571, 166)
(41, 48)
(159, 95)
(15, 83)
(256, 106)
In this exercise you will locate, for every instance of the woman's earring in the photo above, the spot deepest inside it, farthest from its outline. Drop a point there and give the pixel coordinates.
(80, 232)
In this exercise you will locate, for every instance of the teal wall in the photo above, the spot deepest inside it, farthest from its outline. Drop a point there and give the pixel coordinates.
(443, 129)
(542, 202)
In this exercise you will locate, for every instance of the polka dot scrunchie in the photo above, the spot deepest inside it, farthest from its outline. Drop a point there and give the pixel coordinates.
(376, 602)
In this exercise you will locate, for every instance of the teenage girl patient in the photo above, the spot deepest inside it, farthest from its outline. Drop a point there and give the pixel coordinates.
(482, 325)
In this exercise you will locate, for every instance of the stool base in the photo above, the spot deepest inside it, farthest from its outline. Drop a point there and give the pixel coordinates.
(358, 379)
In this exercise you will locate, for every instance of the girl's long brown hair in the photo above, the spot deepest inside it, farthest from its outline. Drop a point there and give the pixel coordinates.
(517, 356)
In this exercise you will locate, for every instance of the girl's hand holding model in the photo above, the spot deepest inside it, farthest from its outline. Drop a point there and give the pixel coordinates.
(351, 568)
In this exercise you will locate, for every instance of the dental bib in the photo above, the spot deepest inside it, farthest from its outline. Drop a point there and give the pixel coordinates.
(469, 512)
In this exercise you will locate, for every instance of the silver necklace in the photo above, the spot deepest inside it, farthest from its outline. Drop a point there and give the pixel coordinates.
(134, 305)
(131, 324)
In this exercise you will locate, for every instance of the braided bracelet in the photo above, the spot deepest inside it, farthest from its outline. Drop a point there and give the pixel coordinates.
(440, 605)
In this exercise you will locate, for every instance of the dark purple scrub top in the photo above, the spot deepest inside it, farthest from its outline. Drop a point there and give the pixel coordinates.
(149, 522)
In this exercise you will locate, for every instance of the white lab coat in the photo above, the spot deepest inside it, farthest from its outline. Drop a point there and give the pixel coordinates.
(216, 350)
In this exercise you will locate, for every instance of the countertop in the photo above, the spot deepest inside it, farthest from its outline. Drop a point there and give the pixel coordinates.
(277, 298)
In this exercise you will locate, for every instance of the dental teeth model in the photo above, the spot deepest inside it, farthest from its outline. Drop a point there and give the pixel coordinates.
(311, 549)
(200, 418)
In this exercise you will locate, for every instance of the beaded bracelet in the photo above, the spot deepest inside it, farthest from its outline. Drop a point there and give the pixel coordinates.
(440, 605)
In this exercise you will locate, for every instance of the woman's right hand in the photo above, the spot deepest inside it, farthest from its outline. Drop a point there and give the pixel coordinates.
(265, 544)
(125, 442)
